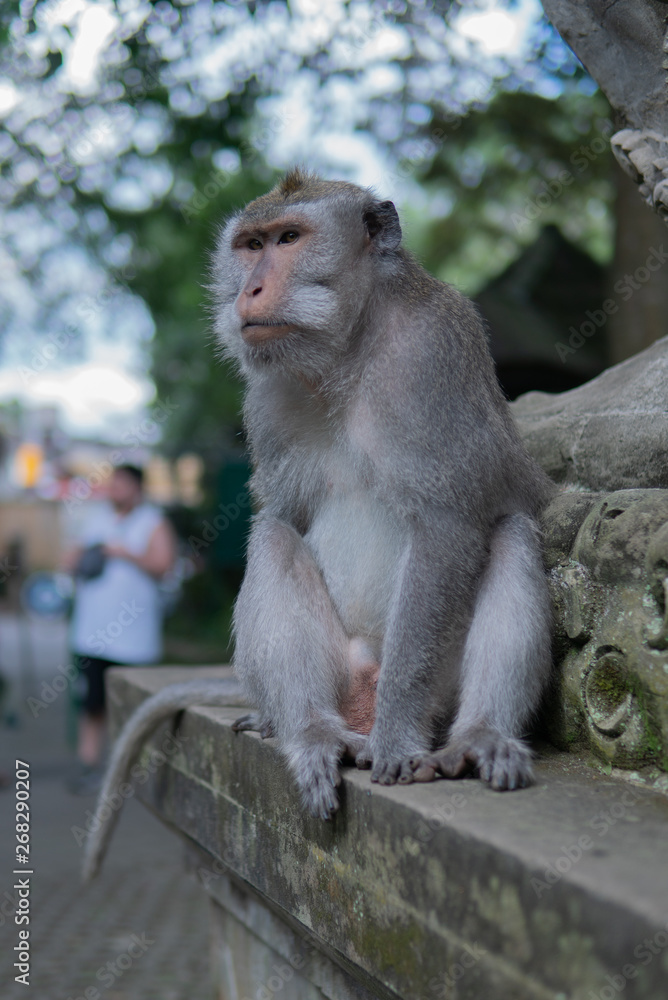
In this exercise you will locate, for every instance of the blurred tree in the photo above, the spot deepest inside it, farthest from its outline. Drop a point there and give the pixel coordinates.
(509, 169)
(130, 128)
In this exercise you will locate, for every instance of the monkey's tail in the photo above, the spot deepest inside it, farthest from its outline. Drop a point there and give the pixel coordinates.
(173, 698)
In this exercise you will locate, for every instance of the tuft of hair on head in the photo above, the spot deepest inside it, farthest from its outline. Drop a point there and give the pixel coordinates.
(295, 179)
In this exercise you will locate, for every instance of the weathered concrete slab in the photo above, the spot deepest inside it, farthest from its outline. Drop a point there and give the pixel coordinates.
(426, 891)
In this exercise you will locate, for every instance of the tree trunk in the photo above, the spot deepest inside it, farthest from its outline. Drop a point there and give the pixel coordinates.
(639, 278)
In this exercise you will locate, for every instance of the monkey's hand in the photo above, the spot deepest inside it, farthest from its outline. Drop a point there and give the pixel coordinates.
(315, 765)
(503, 761)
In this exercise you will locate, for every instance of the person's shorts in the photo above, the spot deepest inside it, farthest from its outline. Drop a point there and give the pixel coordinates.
(89, 684)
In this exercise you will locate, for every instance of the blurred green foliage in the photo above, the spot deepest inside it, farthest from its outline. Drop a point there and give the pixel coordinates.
(140, 166)
(507, 170)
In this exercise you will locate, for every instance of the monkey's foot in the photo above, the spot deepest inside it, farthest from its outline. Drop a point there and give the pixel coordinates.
(502, 761)
(254, 723)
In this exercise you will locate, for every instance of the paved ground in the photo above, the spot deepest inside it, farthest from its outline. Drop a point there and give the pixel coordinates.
(143, 915)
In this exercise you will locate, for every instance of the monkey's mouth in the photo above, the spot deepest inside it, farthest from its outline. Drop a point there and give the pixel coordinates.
(260, 331)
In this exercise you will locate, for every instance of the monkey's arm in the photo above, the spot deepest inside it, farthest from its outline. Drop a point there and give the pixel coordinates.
(291, 654)
(429, 618)
(173, 698)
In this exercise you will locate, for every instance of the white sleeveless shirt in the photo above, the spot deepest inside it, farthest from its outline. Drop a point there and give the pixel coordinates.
(118, 615)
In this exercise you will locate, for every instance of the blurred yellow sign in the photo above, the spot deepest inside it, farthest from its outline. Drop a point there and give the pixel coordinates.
(28, 464)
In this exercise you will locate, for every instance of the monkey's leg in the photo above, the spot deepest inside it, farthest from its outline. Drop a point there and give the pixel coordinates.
(505, 665)
(428, 621)
(292, 655)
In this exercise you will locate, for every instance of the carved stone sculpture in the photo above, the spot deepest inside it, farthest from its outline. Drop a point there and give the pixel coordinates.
(607, 555)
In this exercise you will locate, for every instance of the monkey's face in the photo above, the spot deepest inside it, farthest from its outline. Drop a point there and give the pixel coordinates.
(292, 280)
(270, 258)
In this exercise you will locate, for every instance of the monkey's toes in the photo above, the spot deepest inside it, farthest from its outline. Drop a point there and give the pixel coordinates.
(503, 762)
(253, 723)
(510, 769)
(363, 760)
(422, 769)
(452, 762)
(392, 772)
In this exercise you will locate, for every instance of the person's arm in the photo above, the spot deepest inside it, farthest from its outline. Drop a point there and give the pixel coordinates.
(70, 559)
(159, 555)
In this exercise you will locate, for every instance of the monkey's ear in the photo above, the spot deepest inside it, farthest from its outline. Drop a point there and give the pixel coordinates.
(383, 226)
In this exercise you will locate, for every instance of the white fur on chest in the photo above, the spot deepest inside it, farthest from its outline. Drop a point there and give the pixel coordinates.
(358, 545)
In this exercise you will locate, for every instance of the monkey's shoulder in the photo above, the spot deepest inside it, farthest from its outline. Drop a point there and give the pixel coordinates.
(431, 329)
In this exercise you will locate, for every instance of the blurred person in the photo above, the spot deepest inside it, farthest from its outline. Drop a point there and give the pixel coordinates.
(125, 547)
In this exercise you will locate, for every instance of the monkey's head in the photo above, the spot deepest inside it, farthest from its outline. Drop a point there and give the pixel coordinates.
(296, 270)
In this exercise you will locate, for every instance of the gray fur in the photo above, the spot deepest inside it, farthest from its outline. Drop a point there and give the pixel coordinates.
(398, 504)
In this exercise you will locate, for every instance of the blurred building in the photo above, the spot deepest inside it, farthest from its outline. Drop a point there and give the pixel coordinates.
(537, 308)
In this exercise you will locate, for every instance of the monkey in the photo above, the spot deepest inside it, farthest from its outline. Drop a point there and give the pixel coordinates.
(394, 609)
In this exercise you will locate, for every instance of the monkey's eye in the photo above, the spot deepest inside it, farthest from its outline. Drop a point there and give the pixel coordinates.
(254, 245)
(289, 237)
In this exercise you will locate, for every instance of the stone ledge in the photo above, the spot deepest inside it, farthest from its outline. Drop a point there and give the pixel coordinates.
(407, 882)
